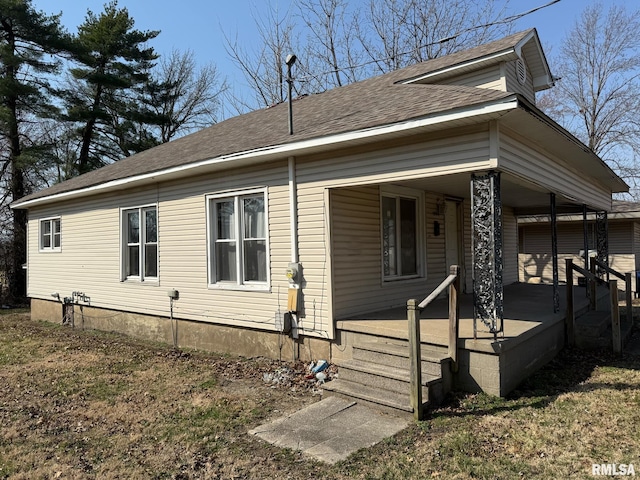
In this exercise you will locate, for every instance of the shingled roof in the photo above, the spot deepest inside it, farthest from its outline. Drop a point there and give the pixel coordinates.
(381, 100)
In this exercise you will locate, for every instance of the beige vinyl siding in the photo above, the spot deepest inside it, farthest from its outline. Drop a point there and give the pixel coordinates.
(513, 85)
(91, 252)
(620, 236)
(491, 78)
(518, 157)
(357, 254)
(444, 154)
(536, 238)
(500, 77)
(315, 175)
(535, 262)
(537, 268)
(509, 246)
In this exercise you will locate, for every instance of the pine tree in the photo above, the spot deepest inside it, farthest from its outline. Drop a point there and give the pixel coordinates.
(112, 63)
(28, 39)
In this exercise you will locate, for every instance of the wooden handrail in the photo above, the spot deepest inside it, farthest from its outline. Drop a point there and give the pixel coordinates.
(413, 317)
(613, 294)
(585, 273)
(438, 290)
(607, 268)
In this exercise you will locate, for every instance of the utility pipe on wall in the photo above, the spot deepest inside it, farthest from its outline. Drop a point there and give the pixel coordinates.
(293, 209)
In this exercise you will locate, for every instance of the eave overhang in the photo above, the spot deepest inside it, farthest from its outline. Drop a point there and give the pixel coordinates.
(458, 117)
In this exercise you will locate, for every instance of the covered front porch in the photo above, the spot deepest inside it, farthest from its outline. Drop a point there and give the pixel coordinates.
(532, 335)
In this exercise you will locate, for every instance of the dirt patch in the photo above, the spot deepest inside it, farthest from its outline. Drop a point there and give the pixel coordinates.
(82, 405)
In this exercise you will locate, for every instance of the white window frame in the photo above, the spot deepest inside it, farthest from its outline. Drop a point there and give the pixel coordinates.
(418, 196)
(51, 221)
(239, 283)
(142, 242)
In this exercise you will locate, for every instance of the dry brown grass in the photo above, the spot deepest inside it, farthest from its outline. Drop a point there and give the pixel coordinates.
(77, 404)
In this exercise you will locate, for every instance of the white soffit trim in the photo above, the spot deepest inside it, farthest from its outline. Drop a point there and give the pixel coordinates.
(285, 150)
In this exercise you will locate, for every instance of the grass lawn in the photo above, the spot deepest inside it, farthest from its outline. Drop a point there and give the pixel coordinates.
(83, 404)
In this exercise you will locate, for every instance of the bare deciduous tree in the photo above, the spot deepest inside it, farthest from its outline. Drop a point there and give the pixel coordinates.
(403, 32)
(183, 97)
(342, 45)
(263, 68)
(598, 94)
(332, 54)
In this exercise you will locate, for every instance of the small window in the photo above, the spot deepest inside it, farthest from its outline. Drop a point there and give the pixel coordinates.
(140, 243)
(238, 251)
(400, 237)
(50, 234)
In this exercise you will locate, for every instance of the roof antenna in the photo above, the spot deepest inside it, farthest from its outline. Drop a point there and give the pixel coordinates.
(291, 59)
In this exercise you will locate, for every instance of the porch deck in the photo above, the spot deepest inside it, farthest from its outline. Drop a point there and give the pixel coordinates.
(527, 307)
(533, 334)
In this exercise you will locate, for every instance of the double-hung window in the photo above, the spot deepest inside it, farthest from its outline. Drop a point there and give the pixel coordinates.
(238, 250)
(400, 236)
(140, 243)
(50, 234)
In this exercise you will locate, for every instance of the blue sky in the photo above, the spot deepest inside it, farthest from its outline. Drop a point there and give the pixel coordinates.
(198, 25)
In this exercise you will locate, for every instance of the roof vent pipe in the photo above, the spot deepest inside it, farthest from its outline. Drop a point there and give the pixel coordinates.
(291, 59)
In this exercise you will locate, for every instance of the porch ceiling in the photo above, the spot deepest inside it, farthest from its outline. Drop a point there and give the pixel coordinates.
(516, 193)
(526, 197)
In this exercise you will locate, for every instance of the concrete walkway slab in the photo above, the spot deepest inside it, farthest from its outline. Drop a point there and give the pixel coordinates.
(331, 429)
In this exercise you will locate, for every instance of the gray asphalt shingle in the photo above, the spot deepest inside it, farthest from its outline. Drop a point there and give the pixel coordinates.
(373, 102)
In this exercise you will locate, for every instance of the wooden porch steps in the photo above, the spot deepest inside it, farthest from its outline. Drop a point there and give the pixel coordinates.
(593, 330)
(378, 375)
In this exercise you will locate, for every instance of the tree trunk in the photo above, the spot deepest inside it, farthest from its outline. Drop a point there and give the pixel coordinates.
(18, 251)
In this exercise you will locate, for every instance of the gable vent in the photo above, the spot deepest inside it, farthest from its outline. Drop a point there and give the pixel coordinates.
(521, 71)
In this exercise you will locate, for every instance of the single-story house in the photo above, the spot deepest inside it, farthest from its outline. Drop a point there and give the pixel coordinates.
(577, 233)
(247, 238)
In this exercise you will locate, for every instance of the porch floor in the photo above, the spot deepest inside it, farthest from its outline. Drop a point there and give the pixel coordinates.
(528, 309)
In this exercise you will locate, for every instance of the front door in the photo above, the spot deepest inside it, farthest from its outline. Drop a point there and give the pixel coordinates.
(453, 235)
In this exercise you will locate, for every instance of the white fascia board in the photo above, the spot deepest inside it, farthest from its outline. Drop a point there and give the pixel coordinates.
(453, 68)
(285, 150)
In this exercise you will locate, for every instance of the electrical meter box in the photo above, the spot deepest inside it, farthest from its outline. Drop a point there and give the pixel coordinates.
(294, 274)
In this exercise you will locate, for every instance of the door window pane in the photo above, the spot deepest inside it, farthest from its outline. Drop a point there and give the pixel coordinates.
(408, 236)
(399, 236)
(389, 235)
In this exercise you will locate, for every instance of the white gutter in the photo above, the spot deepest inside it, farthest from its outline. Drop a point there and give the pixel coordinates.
(281, 150)
(293, 209)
